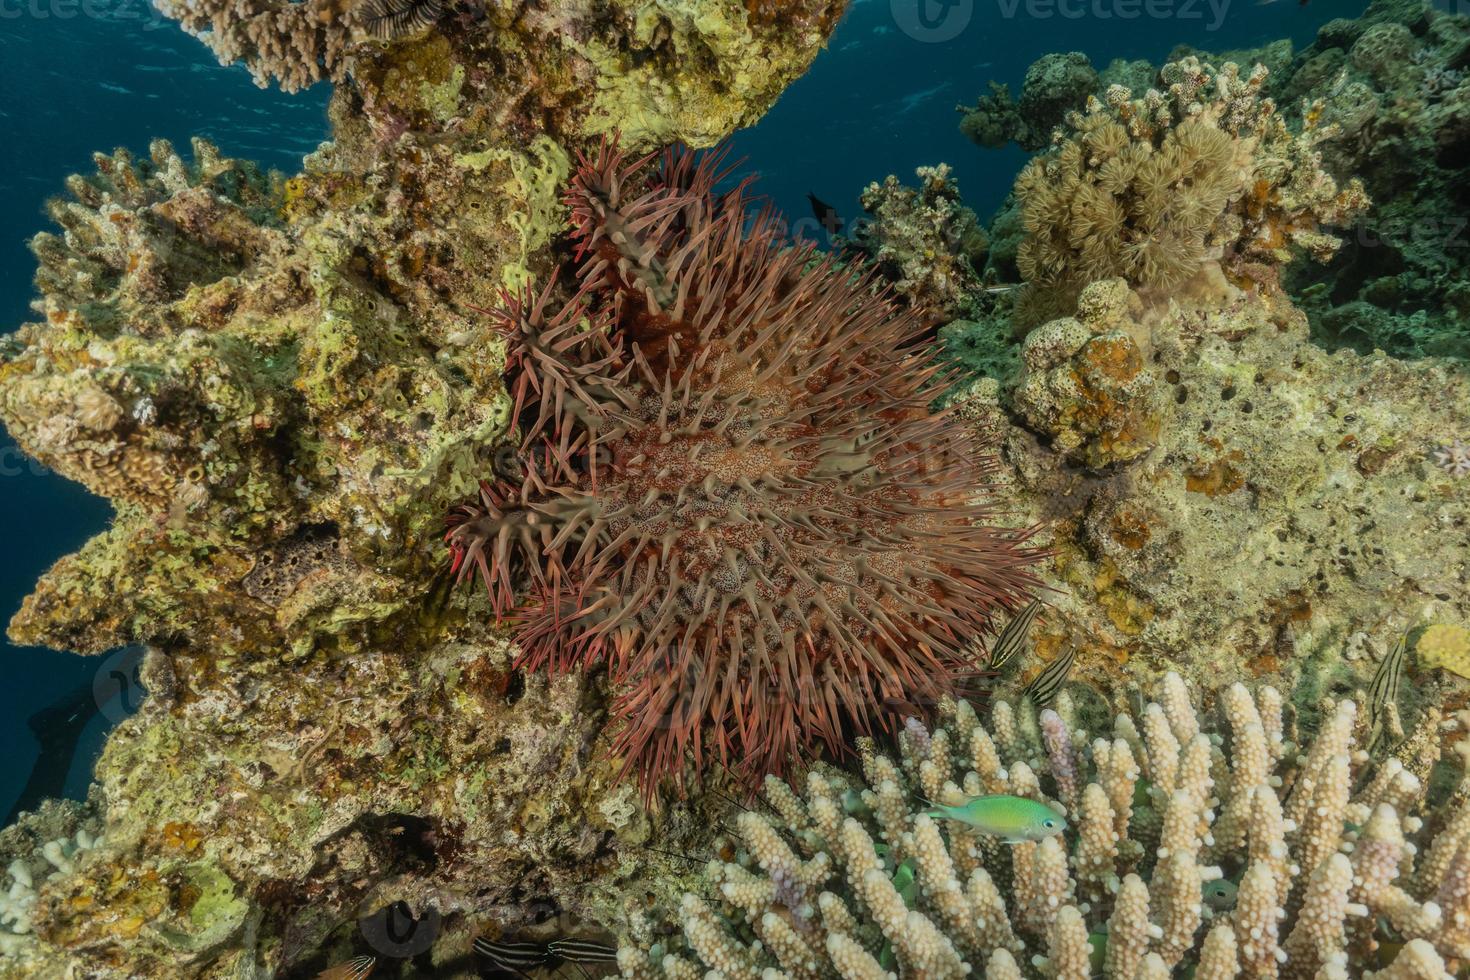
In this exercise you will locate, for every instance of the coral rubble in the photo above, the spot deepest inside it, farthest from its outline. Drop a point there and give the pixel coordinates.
(1230, 843)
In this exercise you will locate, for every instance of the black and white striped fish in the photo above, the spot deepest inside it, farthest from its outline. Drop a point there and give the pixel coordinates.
(520, 958)
(1044, 686)
(389, 19)
(582, 951)
(1385, 688)
(1013, 637)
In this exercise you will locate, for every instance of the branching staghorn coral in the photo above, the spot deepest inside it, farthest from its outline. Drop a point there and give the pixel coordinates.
(1338, 860)
(1150, 189)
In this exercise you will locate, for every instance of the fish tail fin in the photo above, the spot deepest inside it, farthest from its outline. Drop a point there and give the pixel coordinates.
(935, 809)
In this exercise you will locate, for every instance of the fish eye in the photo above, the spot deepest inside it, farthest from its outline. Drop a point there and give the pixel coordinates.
(1048, 824)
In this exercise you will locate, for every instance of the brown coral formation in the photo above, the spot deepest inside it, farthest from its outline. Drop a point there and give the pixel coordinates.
(1085, 384)
(1150, 189)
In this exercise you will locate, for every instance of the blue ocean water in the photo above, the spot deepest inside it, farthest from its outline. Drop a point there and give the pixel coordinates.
(79, 76)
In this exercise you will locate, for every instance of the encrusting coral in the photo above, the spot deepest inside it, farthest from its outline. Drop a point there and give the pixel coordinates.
(1150, 189)
(1084, 383)
(1205, 515)
(1234, 842)
(730, 489)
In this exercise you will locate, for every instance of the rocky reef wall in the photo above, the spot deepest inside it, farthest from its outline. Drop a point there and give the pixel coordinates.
(282, 383)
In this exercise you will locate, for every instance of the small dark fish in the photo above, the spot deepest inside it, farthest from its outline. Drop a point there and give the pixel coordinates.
(582, 951)
(1385, 687)
(513, 957)
(903, 706)
(357, 968)
(389, 19)
(1219, 894)
(825, 214)
(1044, 687)
(1013, 637)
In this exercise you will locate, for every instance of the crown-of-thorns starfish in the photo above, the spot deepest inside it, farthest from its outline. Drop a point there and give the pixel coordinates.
(730, 488)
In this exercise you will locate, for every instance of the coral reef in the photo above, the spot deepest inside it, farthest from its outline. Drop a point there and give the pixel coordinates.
(927, 244)
(282, 385)
(1387, 98)
(1394, 82)
(730, 489)
(1249, 503)
(1085, 385)
(1240, 841)
(1150, 189)
(1055, 85)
